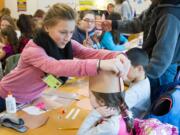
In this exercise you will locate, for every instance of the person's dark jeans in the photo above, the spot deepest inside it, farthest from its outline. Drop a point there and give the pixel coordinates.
(2, 105)
(166, 78)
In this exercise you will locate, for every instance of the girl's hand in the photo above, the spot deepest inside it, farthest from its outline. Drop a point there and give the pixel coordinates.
(113, 65)
(88, 42)
(106, 111)
(106, 25)
(126, 64)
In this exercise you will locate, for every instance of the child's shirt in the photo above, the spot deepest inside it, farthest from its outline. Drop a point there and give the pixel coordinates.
(95, 125)
(25, 81)
(80, 35)
(137, 97)
(107, 42)
(22, 42)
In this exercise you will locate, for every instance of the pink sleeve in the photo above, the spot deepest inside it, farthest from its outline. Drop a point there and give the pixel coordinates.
(39, 59)
(79, 51)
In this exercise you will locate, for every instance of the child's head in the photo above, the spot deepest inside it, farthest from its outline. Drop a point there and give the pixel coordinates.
(5, 11)
(119, 1)
(106, 90)
(39, 14)
(7, 21)
(59, 23)
(110, 8)
(86, 20)
(9, 36)
(115, 33)
(26, 25)
(139, 60)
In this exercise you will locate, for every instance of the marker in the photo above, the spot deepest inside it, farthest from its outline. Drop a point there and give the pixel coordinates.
(70, 113)
(75, 114)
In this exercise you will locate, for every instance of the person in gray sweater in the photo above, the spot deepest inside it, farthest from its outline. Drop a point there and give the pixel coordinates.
(160, 24)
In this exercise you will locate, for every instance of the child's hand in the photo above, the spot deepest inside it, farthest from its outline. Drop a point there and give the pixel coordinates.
(106, 25)
(95, 37)
(88, 42)
(106, 111)
(113, 65)
(126, 64)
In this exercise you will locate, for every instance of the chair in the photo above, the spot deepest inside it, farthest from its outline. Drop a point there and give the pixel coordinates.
(11, 63)
(1, 71)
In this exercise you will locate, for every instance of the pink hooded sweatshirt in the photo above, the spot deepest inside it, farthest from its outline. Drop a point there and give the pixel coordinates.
(25, 81)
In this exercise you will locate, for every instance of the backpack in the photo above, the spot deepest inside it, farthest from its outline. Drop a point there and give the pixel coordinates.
(166, 107)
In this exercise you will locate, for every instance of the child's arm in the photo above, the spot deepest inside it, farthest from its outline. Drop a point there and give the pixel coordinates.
(138, 93)
(109, 127)
(109, 44)
(82, 52)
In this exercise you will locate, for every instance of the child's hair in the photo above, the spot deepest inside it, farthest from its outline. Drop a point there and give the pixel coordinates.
(84, 13)
(10, 20)
(116, 100)
(137, 57)
(115, 33)
(5, 11)
(119, 1)
(11, 37)
(26, 25)
(58, 12)
(39, 13)
(110, 4)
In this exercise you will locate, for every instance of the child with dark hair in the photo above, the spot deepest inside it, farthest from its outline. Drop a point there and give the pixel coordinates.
(113, 40)
(7, 21)
(9, 42)
(110, 115)
(137, 96)
(85, 28)
(26, 25)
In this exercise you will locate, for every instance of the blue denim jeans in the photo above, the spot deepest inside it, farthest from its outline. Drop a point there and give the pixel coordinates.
(2, 105)
(166, 78)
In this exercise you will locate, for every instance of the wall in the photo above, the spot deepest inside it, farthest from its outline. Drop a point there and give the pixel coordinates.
(1, 4)
(33, 5)
(12, 5)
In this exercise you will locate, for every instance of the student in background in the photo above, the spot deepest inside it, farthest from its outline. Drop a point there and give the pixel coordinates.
(85, 28)
(137, 96)
(39, 14)
(9, 43)
(7, 21)
(38, 18)
(110, 115)
(5, 11)
(125, 9)
(113, 40)
(110, 9)
(51, 52)
(161, 40)
(26, 26)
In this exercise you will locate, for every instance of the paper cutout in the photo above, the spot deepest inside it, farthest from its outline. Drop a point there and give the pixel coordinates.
(83, 92)
(41, 106)
(52, 81)
(32, 121)
(33, 110)
(70, 113)
(54, 99)
(75, 114)
(84, 104)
